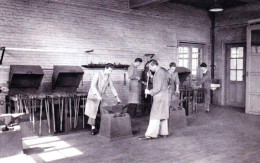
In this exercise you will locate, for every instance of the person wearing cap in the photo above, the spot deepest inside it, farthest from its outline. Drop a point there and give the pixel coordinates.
(204, 81)
(97, 97)
(173, 83)
(134, 87)
(158, 123)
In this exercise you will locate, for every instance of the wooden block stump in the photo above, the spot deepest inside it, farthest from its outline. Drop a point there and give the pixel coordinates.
(177, 119)
(11, 142)
(113, 128)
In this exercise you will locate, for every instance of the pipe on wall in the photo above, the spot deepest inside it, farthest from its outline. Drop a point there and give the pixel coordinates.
(212, 38)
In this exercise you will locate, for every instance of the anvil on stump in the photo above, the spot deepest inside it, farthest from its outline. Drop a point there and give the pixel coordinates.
(10, 136)
(116, 124)
(9, 120)
(177, 118)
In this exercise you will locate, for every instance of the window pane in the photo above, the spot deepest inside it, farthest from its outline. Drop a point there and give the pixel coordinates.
(195, 50)
(185, 49)
(254, 49)
(258, 49)
(239, 75)
(194, 63)
(181, 62)
(240, 52)
(194, 72)
(233, 52)
(185, 63)
(195, 55)
(240, 64)
(233, 64)
(185, 55)
(180, 49)
(233, 75)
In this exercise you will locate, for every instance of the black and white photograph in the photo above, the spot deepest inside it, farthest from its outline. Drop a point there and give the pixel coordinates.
(130, 81)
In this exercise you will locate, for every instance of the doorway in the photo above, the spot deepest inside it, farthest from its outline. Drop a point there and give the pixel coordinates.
(235, 75)
(253, 68)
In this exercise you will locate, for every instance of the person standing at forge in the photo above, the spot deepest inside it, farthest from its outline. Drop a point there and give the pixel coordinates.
(174, 81)
(204, 81)
(146, 83)
(134, 87)
(158, 123)
(97, 97)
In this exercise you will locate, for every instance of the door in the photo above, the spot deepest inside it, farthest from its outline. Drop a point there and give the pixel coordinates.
(235, 75)
(253, 72)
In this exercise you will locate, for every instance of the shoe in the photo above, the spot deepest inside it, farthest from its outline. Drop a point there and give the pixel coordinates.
(93, 132)
(144, 138)
(206, 111)
(163, 136)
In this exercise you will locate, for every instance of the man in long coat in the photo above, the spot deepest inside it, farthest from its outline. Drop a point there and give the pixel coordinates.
(134, 87)
(158, 123)
(97, 96)
(204, 81)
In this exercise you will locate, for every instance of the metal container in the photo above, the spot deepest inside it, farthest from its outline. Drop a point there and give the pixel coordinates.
(25, 79)
(25, 76)
(66, 78)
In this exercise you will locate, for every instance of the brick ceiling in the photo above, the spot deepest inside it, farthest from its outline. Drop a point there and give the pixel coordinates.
(205, 4)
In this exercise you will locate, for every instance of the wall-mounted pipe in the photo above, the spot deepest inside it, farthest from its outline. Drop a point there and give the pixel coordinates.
(212, 37)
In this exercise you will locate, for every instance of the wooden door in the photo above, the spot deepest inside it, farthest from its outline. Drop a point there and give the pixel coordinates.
(253, 74)
(235, 75)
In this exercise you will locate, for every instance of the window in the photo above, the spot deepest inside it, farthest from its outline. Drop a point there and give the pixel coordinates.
(256, 49)
(184, 57)
(190, 56)
(236, 63)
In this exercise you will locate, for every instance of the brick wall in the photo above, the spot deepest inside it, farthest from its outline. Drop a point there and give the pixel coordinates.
(64, 29)
(230, 28)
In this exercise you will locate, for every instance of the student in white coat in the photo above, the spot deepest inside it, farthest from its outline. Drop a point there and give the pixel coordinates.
(97, 96)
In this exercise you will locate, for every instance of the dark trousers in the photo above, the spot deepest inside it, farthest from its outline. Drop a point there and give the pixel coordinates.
(131, 110)
(207, 99)
(147, 104)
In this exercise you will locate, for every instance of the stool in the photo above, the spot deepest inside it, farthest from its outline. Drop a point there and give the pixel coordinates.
(113, 127)
(11, 142)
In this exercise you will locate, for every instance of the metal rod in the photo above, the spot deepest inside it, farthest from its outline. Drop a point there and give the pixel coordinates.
(47, 109)
(33, 116)
(75, 111)
(70, 112)
(53, 115)
(61, 117)
(147, 82)
(83, 109)
(40, 129)
(60, 99)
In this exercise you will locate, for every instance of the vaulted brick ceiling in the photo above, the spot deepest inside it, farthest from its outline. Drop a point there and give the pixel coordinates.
(205, 4)
(201, 4)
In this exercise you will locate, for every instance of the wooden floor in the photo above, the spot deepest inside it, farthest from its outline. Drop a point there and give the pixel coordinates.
(223, 135)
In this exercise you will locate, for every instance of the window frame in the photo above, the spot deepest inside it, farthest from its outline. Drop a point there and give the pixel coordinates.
(236, 69)
(200, 58)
